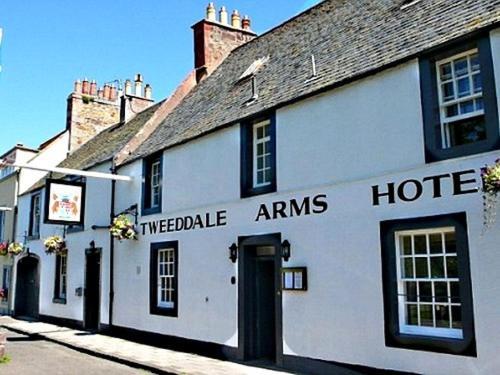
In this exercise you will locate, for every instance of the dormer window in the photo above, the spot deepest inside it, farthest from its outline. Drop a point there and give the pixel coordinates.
(152, 185)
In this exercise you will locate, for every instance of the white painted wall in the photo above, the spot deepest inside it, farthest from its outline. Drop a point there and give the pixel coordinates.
(340, 318)
(50, 156)
(97, 212)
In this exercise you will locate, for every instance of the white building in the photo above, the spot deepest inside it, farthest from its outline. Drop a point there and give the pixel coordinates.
(339, 155)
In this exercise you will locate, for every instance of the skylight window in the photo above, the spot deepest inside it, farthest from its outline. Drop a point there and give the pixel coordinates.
(253, 68)
(408, 3)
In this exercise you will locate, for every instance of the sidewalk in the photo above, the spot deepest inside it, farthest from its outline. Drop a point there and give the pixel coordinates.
(146, 357)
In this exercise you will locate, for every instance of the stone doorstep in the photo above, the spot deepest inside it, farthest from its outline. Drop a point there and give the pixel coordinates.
(180, 363)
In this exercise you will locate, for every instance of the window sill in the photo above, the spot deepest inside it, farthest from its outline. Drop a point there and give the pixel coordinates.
(75, 230)
(435, 344)
(151, 211)
(252, 192)
(61, 301)
(33, 237)
(171, 312)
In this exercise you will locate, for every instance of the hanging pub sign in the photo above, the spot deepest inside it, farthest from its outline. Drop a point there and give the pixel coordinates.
(64, 202)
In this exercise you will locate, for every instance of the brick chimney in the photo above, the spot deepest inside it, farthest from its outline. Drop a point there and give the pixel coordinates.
(90, 110)
(135, 100)
(215, 38)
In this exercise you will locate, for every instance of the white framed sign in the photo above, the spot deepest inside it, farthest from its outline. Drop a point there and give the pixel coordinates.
(64, 202)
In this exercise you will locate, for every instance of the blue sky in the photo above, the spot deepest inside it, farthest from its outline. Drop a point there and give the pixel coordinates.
(48, 44)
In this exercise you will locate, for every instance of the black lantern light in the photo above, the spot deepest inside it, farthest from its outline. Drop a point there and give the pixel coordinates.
(285, 250)
(233, 252)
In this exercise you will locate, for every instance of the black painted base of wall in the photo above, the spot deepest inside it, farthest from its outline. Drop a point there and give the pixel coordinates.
(219, 351)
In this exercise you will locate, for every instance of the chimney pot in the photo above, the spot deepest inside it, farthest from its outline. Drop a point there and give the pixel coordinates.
(128, 87)
(93, 88)
(85, 86)
(211, 12)
(78, 86)
(107, 90)
(112, 93)
(148, 91)
(223, 15)
(235, 19)
(138, 87)
(245, 23)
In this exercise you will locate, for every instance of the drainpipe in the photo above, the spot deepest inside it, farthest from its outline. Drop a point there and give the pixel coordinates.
(14, 229)
(112, 249)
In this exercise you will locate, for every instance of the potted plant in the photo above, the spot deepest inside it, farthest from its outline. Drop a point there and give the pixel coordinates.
(490, 175)
(15, 248)
(4, 247)
(55, 244)
(123, 228)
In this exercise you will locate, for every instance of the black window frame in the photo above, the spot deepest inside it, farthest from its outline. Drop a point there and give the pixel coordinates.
(246, 157)
(57, 280)
(393, 338)
(31, 235)
(146, 184)
(430, 100)
(154, 309)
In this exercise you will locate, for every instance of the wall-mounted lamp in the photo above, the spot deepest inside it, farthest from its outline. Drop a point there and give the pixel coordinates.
(285, 250)
(233, 252)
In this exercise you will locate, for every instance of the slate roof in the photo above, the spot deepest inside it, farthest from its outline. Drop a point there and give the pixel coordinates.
(349, 39)
(103, 146)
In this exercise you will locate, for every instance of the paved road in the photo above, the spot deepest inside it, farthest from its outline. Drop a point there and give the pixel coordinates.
(40, 357)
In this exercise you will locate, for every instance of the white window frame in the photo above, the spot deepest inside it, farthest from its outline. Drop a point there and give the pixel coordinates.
(447, 122)
(155, 186)
(169, 277)
(36, 215)
(256, 142)
(420, 330)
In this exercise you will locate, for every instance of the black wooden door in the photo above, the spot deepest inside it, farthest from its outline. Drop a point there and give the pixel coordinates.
(261, 291)
(92, 288)
(27, 288)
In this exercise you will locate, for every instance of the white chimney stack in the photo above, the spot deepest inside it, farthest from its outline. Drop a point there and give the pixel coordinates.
(138, 85)
(211, 12)
(223, 15)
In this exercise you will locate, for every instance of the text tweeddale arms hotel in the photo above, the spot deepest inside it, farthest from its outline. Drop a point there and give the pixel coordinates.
(311, 196)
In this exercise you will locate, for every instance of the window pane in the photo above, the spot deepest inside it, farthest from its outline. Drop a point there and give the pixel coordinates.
(455, 292)
(461, 67)
(452, 266)
(445, 71)
(408, 268)
(421, 268)
(477, 82)
(436, 243)
(260, 149)
(467, 107)
(456, 316)
(452, 110)
(411, 291)
(448, 91)
(426, 316)
(267, 175)
(425, 291)
(437, 267)
(267, 130)
(260, 132)
(260, 177)
(412, 315)
(474, 62)
(467, 131)
(463, 86)
(479, 104)
(420, 244)
(440, 291)
(442, 313)
(406, 245)
(260, 163)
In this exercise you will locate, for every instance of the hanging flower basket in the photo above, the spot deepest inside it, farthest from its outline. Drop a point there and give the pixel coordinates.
(15, 248)
(55, 244)
(4, 248)
(490, 175)
(123, 228)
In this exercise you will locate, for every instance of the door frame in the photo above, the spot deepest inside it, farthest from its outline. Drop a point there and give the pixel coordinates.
(88, 252)
(17, 290)
(272, 239)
